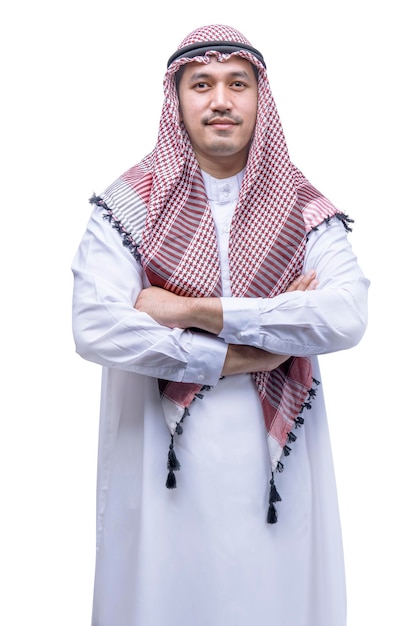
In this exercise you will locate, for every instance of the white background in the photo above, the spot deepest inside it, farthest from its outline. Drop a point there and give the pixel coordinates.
(81, 87)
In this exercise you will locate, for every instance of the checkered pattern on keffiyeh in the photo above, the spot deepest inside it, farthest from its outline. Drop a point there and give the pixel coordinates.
(161, 206)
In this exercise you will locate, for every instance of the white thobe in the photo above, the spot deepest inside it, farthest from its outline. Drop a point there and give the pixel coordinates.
(202, 554)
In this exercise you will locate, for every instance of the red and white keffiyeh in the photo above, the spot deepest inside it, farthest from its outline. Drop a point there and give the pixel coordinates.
(161, 209)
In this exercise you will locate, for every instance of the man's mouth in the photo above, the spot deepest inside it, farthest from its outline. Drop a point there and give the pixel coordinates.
(221, 123)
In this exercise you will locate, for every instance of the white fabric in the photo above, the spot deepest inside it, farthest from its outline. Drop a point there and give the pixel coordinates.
(203, 554)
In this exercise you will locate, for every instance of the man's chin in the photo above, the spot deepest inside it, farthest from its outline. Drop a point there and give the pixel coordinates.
(222, 148)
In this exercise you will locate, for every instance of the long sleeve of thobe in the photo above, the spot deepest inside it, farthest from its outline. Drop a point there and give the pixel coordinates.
(108, 330)
(330, 318)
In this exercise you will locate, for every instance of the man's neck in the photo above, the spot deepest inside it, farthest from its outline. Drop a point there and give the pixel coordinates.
(224, 167)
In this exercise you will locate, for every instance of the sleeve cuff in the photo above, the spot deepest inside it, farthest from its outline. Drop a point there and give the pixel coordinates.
(241, 320)
(206, 359)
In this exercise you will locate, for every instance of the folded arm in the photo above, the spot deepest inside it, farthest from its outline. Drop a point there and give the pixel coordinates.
(324, 310)
(330, 318)
(206, 314)
(150, 333)
(108, 330)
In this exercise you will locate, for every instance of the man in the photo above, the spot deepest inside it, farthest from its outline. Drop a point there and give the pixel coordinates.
(210, 277)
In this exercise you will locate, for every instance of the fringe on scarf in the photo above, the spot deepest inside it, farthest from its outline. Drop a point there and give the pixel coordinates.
(274, 495)
(173, 464)
(344, 219)
(127, 238)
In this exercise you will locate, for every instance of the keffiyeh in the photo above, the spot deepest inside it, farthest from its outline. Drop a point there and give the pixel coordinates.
(161, 209)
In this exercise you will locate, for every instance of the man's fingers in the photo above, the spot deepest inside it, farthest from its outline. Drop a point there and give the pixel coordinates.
(304, 282)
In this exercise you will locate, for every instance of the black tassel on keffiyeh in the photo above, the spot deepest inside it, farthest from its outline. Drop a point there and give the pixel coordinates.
(273, 498)
(173, 465)
(274, 495)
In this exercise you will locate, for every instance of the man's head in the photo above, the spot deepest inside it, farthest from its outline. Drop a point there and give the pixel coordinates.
(192, 137)
(215, 70)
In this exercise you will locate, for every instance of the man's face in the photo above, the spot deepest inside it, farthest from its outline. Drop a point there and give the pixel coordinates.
(218, 106)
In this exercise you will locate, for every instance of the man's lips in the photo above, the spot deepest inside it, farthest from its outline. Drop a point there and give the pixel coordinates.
(221, 120)
(221, 123)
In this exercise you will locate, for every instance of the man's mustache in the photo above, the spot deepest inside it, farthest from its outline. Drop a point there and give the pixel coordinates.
(222, 116)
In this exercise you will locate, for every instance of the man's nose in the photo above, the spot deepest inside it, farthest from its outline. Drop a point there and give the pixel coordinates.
(221, 98)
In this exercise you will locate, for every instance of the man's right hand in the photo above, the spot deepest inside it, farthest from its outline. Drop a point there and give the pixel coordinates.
(247, 359)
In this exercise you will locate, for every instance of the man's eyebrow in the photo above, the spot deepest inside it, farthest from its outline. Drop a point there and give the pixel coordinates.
(200, 75)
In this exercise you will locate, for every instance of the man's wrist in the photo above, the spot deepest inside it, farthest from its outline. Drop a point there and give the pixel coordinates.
(205, 313)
